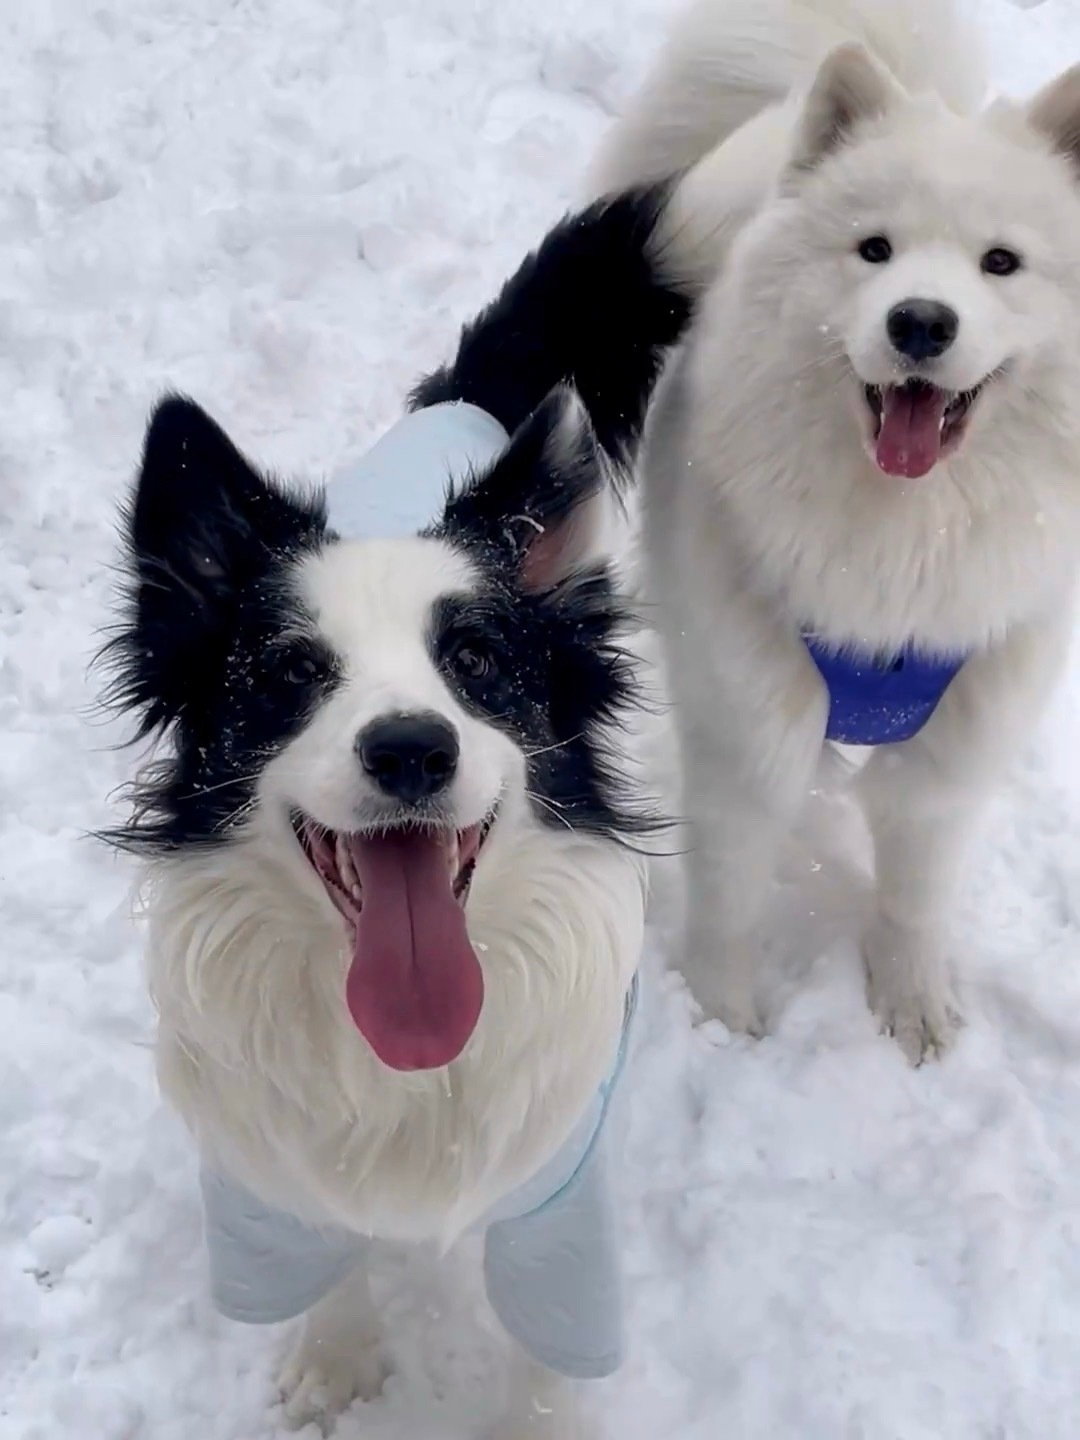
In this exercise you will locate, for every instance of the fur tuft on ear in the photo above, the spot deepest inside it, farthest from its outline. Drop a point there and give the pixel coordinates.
(850, 88)
(539, 508)
(202, 526)
(1055, 113)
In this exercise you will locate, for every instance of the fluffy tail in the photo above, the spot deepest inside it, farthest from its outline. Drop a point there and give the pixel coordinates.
(727, 60)
(593, 306)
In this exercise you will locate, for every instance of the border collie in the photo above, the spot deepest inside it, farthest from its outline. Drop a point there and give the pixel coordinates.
(395, 904)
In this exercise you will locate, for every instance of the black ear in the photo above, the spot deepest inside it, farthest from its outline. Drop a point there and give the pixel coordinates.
(202, 527)
(539, 509)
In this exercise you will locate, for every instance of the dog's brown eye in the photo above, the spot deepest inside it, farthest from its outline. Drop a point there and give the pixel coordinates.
(875, 249)
(473, 663)
(1000, 261)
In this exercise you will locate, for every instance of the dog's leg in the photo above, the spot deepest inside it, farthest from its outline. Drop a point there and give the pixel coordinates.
(748, 762)
(923, 799)
(920, 827)
(336, 1357)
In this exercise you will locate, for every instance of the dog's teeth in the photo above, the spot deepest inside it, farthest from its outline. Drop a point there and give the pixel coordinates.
(345, 867)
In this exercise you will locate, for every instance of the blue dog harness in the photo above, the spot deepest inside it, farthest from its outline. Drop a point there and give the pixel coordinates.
(551, 1263)
(881, 700)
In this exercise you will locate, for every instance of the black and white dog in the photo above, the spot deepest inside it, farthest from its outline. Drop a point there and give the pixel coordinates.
(395, 908)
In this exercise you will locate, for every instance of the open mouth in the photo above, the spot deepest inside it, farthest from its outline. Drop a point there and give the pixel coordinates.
(415, 988)
(916, 424)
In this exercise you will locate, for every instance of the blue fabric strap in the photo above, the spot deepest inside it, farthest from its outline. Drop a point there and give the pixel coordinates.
(881, 701)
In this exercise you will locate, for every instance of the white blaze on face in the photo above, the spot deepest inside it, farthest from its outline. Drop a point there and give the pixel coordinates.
(373, 604)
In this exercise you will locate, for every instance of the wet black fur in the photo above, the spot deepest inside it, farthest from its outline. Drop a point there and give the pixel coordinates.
(558, 673)
(209, 544)
(589, 307)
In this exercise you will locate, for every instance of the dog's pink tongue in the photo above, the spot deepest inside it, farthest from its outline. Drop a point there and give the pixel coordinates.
(415, 987)
(909, 441)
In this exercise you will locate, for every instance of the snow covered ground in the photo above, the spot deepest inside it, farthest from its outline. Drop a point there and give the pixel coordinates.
(286, 207)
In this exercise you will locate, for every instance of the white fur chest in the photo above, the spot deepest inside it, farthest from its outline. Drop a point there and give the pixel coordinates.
(258, 1054)
(781, 495)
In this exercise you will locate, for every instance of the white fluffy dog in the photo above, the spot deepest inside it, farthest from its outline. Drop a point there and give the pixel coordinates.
(862, 481)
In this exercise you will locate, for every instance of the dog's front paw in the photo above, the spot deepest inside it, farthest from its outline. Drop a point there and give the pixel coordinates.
(923, 1031)
(722, 978)
(909, 991)
(322, 1377)
(742, 1017)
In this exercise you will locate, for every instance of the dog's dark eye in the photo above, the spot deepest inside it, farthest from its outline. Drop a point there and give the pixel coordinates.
(473, 662)
(301, 670)
(1000, 261)
(875, 249)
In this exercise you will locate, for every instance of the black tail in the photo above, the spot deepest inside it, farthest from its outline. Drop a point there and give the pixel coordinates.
(592, 307)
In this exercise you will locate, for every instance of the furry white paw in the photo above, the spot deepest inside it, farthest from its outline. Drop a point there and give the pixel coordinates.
(909, 992)
(742, 1018)
(724, 985)
(320, 1379)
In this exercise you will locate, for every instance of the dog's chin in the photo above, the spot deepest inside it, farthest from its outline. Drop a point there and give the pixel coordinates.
(910, 426)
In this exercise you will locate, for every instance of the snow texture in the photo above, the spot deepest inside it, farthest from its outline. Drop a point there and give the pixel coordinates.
(287, 209)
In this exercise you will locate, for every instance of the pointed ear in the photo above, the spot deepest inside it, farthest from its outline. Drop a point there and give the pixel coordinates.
(201, 526)
(1055, 113)
(850, 88)
(539, 509)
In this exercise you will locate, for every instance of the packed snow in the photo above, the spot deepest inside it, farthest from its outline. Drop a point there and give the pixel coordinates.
(286, 209)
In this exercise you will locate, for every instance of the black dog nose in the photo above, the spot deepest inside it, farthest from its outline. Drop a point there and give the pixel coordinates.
(410, 757)
(922, 329)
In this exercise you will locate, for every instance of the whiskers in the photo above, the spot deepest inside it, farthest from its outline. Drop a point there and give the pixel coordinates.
(551, 806)
(549, 749)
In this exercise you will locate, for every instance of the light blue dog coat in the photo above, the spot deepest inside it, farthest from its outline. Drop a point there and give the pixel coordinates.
(398, 487)
(551, 1264)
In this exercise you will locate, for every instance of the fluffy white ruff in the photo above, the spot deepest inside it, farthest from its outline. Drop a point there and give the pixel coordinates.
(259, 1055)
(764, 511)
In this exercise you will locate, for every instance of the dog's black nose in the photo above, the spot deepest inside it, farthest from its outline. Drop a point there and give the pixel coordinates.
(922, 329)
(410, 757)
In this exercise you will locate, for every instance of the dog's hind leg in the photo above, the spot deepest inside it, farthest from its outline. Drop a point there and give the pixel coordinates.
(336, 1357)
(923, 798)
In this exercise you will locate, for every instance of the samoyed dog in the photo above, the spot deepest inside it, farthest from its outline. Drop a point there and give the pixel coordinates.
(862, 478)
